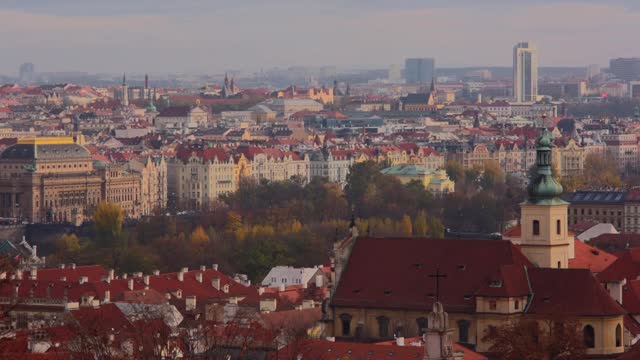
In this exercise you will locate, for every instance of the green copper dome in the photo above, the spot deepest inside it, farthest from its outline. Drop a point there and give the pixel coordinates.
(543, 187)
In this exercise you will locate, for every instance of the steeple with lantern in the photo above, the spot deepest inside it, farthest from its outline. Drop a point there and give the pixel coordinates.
(545, 239)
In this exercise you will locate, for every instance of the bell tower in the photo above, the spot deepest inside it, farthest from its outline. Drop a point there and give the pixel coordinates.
(545, 239)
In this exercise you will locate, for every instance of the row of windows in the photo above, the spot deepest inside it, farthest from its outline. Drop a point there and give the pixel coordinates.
(536, 227)
(588, 332)
(399, 331)
(604, 212)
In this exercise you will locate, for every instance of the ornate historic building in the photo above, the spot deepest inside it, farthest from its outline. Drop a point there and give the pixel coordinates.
(198, 175)
(53, 180)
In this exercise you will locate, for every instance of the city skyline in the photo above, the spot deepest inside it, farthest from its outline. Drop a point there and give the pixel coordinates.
(143, 36)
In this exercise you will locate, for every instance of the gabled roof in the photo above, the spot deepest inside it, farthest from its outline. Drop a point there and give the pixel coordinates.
(394, 272)
(589, 257)
(175, 111)
(626, 266)
(570, 292)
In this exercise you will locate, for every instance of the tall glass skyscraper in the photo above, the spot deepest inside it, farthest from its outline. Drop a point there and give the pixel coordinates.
(525, 72)
(419, 70)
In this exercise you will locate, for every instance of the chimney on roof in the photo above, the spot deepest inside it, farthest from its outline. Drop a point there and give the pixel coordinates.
(215, 283)
(130, 284)
(124, 276)
(72, 266)
(19, 275)
(156, 272)
(185, 269)
(83, 279)
(203, 268)
(61, 266)
(146, 280)
(260, 290)
(268, 305)
(137, 274)
(112, 274)
(331, 339)
(190, 303)
(199, 277)
(107, 279)
(107, 297)
(400, 341)
(308, 304)
(180, 276)
(281, 287)
(33, 273)
(215, 267)
(34, 251)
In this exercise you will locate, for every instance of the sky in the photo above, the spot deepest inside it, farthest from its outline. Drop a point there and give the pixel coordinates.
(211, 36)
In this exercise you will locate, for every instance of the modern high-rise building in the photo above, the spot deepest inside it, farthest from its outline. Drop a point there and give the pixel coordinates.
(626, 69)
(26, 74)
(419, 70)
(525, 72)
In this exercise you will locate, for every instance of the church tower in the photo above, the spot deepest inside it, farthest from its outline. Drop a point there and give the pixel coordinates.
(545, 239)
(125, 91)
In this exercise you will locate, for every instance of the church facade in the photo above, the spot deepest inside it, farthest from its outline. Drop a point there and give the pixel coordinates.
(383, 288)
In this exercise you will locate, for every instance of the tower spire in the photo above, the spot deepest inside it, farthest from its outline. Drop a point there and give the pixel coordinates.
(124, 79)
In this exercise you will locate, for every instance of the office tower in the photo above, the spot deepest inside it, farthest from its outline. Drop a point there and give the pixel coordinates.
(395, 73)
(525, 72)
(419, 70)
(626, 69)
(26, 74)
(593, 70)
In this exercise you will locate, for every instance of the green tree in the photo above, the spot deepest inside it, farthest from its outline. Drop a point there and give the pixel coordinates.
(420, 224)
(455, 170)
(108, 220)
(492, 175)
(436, 229)
(406, 226)
(601, 172)
(199, 238)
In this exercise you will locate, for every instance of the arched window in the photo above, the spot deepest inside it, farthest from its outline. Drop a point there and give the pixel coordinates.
(383, 327)
(536, 227)
(346, 324)
(463, 331)
(589, 337)
(422, 325)
(558, 227)
(618, 335)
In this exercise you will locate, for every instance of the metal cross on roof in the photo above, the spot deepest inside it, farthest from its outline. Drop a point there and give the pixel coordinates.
(438, 275)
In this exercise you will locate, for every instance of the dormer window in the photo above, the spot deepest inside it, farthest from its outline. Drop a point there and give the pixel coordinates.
(495, 283)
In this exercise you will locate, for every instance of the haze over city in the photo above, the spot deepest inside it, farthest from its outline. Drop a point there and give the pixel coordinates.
(213, 36)
(320, 180)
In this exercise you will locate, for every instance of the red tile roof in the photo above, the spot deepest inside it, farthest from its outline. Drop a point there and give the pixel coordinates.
(376, 283)
(626, 266)
(570, 292)
(184, 153)
(92, 272)
(589, 257)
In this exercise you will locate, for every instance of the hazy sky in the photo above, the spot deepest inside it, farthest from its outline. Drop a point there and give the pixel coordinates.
(216, 35)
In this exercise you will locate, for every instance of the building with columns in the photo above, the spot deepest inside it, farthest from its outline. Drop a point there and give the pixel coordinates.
(54, 180)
